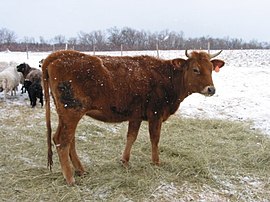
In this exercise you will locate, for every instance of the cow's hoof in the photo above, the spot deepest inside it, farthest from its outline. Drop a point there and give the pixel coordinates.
(71, 181)
(124, 163)
(155, 163)
(80, 172)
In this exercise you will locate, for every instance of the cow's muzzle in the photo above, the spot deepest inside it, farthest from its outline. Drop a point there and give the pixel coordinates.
(208, 91)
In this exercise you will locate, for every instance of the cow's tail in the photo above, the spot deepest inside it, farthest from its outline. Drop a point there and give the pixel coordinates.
(45, 77)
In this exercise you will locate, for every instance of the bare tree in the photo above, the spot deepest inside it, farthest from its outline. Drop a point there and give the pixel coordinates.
(72, 41)
(128, 38)
(29, 40)
(42, 40)
(114, 38)
(85, 38)
(95, 38)
(59, 39)
(7, 36)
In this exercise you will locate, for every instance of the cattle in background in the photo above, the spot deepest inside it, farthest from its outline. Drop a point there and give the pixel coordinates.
(34, 91)
(4, 65)
(34, 76)
(40, 62)
(116, 89)
(9, 80)
(30, 73)
(25, 69)
(32, 83)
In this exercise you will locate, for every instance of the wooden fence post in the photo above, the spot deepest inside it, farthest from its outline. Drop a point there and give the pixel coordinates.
(157, 50)
(27, 52)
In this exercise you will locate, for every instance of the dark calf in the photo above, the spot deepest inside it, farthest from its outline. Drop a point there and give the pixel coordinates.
(34, 91)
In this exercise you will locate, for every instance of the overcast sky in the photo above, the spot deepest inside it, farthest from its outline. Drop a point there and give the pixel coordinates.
(247, 19)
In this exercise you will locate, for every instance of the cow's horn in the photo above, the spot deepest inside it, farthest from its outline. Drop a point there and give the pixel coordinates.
(187, 54)
(215, 54)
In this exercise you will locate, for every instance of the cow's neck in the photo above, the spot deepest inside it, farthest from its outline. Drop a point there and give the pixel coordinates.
(26, 72)
(185, 92)
(180, 89)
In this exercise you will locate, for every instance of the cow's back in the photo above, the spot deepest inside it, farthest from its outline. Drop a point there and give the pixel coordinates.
(140, 84)
(115, 88)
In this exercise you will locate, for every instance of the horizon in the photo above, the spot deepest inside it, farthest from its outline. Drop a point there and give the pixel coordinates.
(50, 40)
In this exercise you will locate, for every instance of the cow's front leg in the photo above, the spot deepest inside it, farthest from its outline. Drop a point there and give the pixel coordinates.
(154, 130)
(133, 129)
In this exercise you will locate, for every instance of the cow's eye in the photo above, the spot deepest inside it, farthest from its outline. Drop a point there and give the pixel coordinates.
(196, 70)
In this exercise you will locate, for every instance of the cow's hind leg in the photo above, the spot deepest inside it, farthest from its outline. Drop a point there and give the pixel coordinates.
(63, 138)
(79, 169)
(133, 129)
(34, 103)
(154, 130)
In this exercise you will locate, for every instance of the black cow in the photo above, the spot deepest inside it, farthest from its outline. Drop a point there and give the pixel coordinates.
(34, 91)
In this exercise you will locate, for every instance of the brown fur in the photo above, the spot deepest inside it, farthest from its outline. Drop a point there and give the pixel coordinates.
(116, 89)
(34, 75)
(25, 69)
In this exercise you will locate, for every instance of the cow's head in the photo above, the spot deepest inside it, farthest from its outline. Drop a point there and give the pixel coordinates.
(198, 70)
(22, 67)
(40, 62)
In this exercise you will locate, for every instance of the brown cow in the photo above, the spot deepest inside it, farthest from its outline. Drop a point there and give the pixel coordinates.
(116, 89)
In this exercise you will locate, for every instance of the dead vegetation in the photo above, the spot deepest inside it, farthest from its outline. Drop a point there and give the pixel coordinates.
(202, 160)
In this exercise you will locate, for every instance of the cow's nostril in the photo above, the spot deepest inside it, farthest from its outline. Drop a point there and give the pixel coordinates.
(211, 90)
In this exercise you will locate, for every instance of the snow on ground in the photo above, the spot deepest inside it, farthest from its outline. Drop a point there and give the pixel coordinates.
(242, 85)
(242, 90)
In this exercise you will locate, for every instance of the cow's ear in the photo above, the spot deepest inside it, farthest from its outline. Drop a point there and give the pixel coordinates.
(217, 64)
(178, 62)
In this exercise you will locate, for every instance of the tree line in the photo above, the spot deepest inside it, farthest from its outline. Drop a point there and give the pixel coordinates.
(114, 38)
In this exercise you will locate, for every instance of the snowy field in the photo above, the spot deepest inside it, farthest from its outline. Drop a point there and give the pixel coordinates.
(242, 86)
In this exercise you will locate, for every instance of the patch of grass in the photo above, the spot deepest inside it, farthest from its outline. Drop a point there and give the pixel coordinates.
(210, 160)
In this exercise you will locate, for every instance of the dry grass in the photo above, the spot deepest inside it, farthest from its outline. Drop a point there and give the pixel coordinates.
(209, 160)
